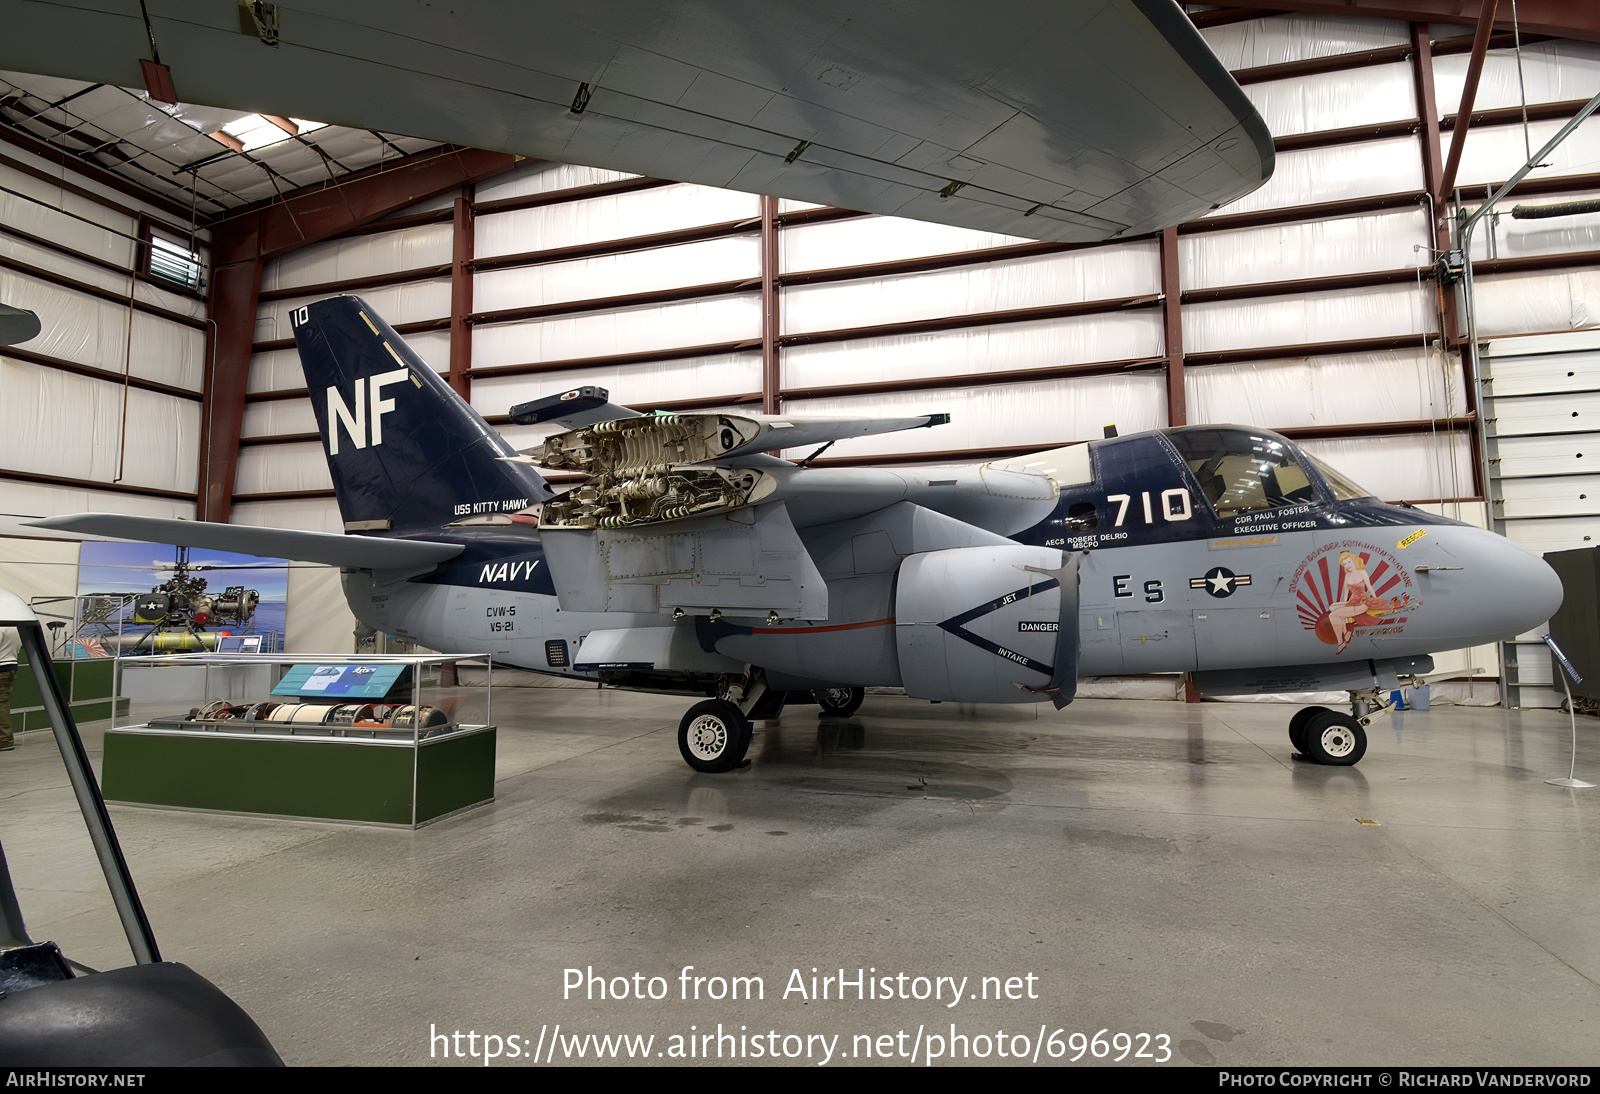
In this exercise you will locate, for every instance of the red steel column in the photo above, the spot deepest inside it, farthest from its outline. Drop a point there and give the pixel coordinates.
(1469, 94)
(771, 374)
(1433, 174)
(235, 292)
(1172, 328)
(461, 296)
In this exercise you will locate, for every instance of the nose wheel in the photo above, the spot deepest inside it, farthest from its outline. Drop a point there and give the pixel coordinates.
(1328, 737)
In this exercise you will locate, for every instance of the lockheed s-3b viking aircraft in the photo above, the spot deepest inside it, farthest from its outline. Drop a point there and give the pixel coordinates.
(691, 561)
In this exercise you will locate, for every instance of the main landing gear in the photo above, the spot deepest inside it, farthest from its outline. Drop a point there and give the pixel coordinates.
(839, 702)
(715, 735)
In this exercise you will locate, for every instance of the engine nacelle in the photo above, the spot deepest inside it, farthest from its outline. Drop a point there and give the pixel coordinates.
(993, 624)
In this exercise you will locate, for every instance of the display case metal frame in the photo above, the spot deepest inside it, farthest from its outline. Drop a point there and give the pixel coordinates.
(405, 777)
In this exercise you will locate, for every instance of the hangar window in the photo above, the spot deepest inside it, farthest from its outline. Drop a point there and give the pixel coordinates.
(1240, 471)
(252, 131)
(171, 262)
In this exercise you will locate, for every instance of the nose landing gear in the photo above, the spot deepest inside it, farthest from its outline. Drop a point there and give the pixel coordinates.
(1328, 737)
(1321, 735)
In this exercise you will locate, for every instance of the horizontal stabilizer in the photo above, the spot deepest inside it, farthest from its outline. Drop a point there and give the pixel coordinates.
(773, 433)
(571, 409)
(696, 438)
(17, 325)
(328, 548)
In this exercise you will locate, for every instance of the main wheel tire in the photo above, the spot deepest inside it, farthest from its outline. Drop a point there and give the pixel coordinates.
(714, 736)
(1335, 739)
(1297, 725)
(839, 702)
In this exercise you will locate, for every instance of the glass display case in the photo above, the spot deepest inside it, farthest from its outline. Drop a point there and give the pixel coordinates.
(381, 739)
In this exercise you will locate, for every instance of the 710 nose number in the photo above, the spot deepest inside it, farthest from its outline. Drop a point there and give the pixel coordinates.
(1174, 506)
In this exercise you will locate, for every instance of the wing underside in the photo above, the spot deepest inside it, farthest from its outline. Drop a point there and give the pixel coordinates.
(1073, 121)
(354, 552)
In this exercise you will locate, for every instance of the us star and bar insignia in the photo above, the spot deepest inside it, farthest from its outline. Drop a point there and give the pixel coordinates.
(1219, 581)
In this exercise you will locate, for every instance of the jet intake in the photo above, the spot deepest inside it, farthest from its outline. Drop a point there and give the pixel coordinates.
(989, 625)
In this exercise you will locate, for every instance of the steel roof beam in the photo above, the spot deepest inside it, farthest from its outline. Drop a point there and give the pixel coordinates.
(1563, 18)
(1469, 95)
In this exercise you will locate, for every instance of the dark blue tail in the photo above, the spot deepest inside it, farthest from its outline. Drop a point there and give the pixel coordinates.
(406, 452)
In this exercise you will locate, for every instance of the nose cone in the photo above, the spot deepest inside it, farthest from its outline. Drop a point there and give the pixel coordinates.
(1545, 592)
(1532, 586)
(1502, 589)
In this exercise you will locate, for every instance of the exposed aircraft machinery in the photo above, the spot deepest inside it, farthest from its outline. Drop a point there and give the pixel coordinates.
(180, 617)
(336, 719)
(647, 471)
(101, 608)
(692, 561)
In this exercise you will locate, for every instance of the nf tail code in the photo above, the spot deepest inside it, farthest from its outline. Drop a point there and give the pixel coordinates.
(368, 392)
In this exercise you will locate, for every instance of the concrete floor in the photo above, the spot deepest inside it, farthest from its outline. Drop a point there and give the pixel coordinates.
(1129, 867)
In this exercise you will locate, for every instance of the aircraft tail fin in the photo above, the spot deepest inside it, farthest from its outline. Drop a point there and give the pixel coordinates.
(405, 451)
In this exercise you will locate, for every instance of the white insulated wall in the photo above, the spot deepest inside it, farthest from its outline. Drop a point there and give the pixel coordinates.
(102, 431)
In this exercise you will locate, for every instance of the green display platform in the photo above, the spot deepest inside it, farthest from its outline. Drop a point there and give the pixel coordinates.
(86, 683)
(349, 779)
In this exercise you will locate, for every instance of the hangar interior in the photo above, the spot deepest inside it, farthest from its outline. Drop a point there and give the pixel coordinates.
(1156, 853)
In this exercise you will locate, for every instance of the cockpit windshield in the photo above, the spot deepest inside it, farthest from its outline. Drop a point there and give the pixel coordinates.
(1240, 471)
(1343, 488)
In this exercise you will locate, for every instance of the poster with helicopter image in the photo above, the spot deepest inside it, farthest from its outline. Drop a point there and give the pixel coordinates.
(136, 598)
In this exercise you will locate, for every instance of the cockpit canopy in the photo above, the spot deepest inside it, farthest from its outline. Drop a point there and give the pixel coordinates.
(1242, 470)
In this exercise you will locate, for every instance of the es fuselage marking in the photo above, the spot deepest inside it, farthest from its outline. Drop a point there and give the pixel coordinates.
(1153, 592)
